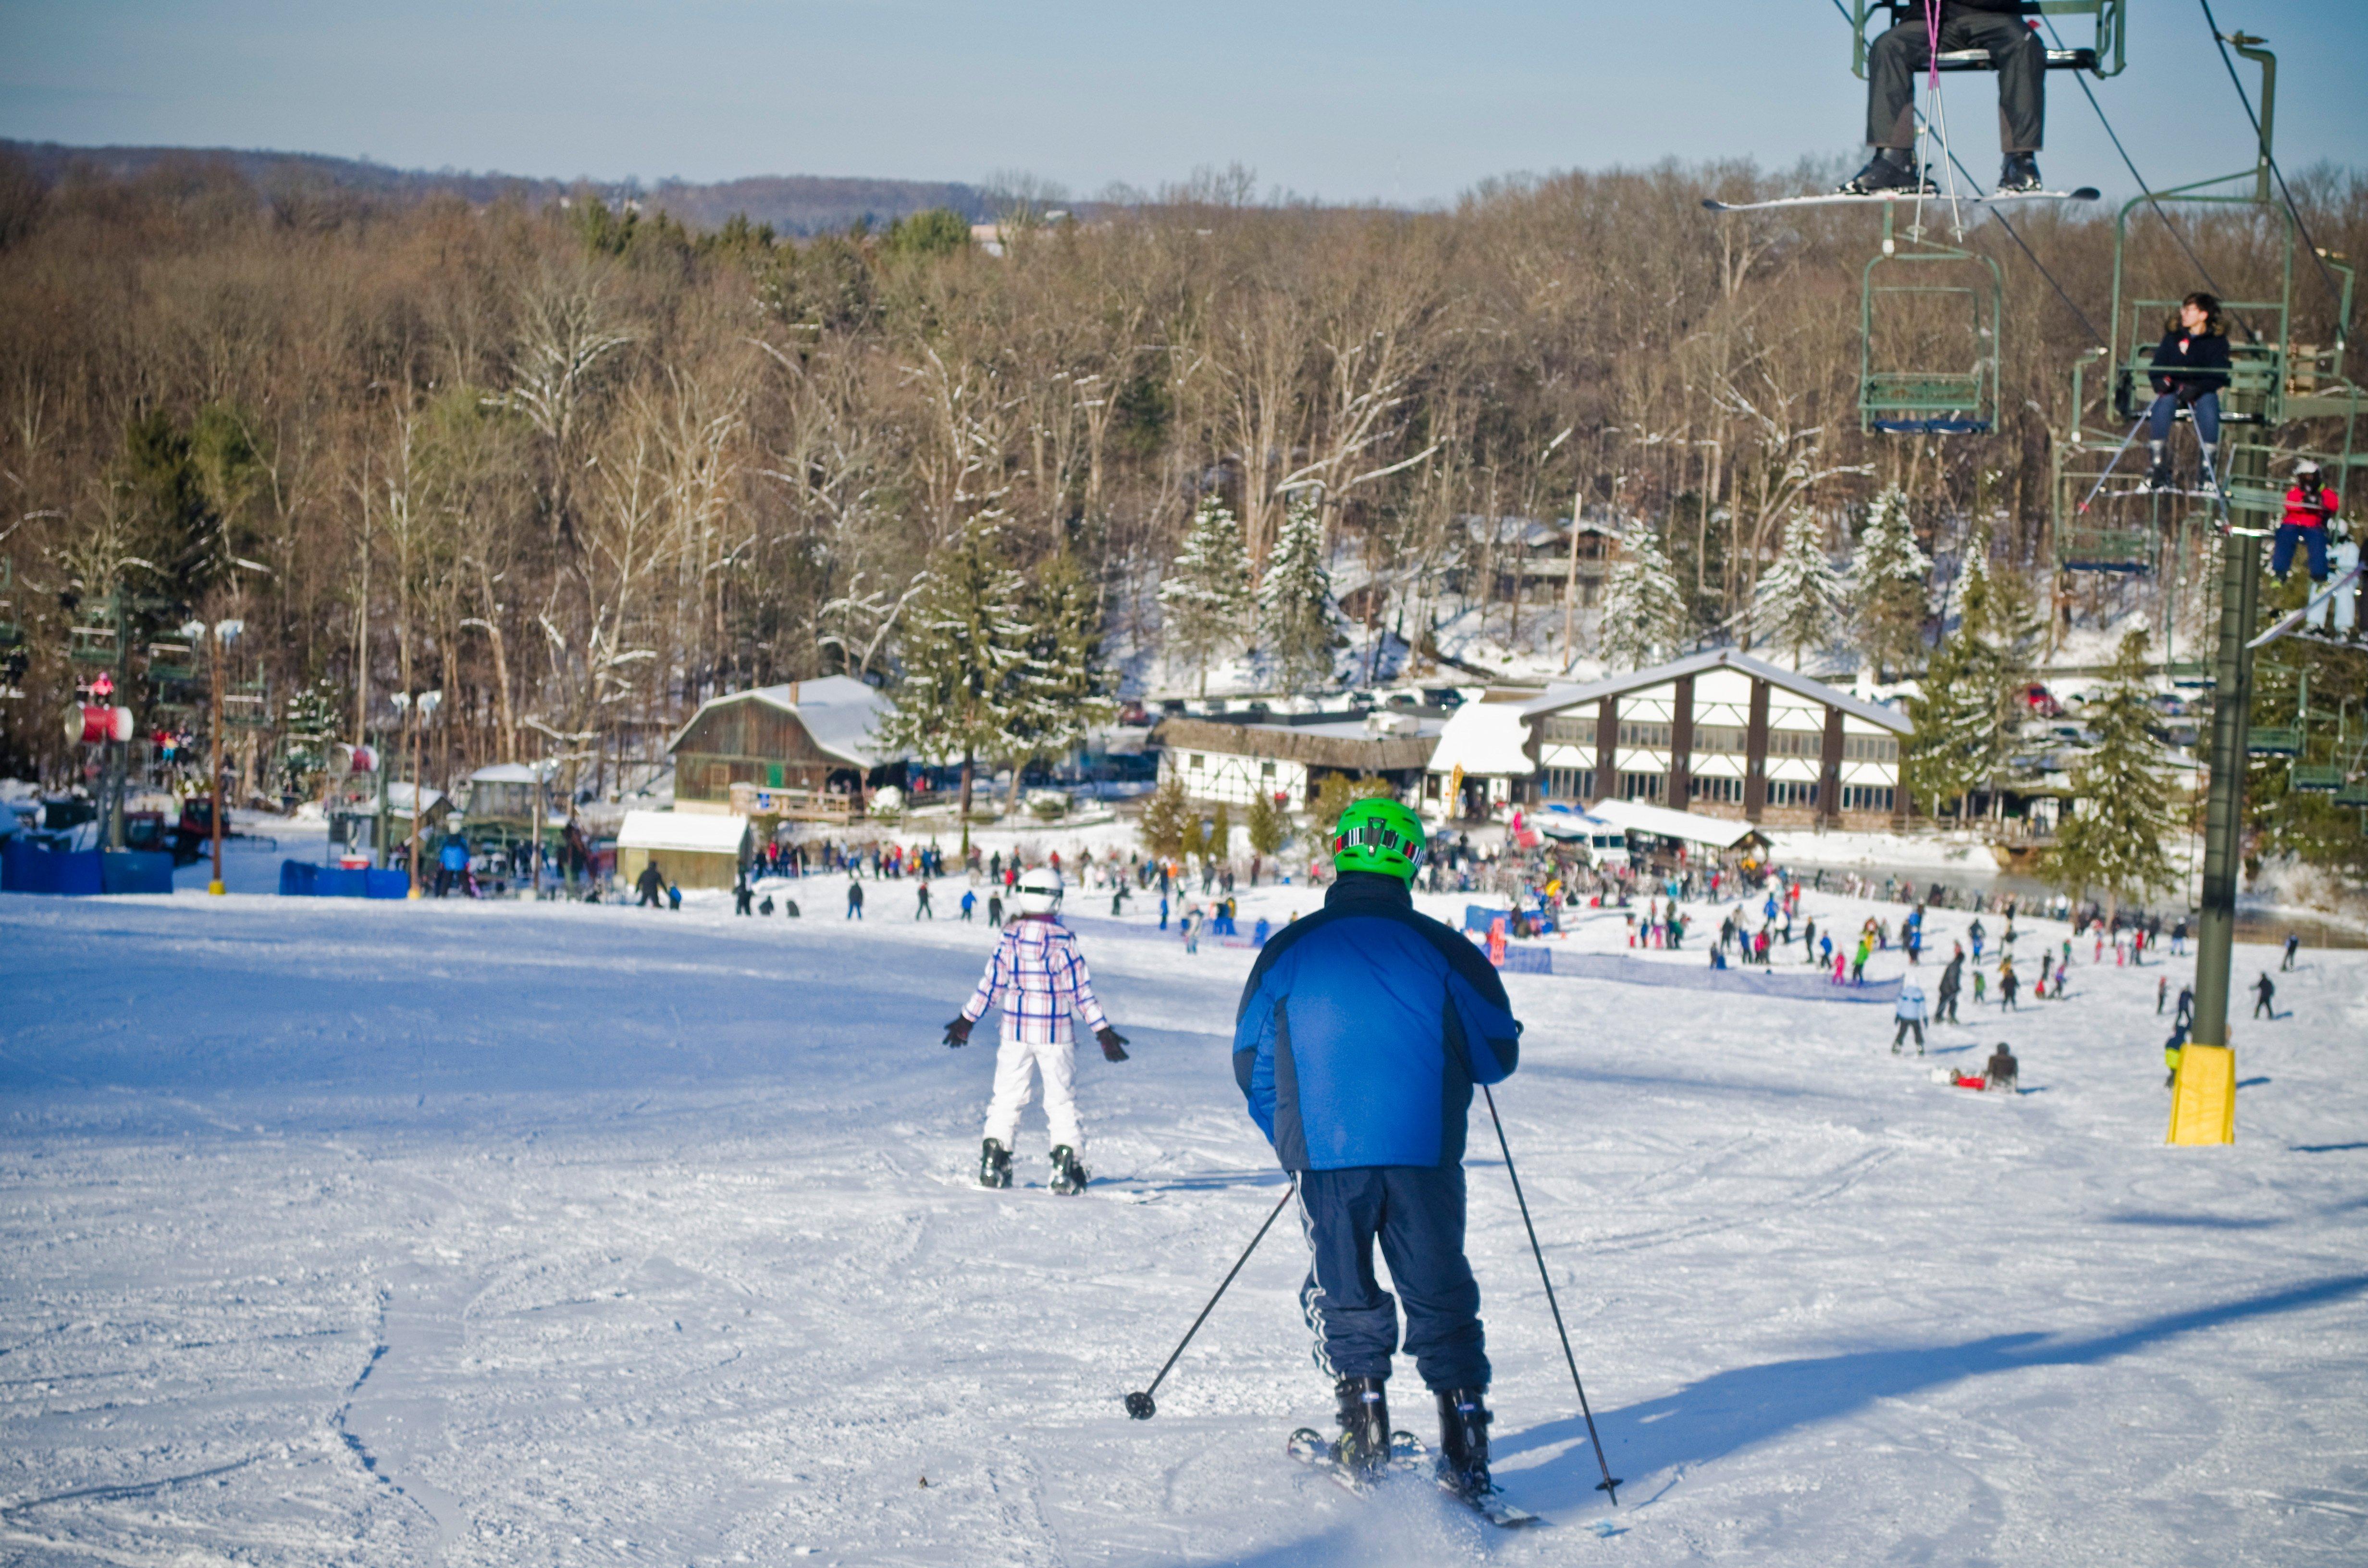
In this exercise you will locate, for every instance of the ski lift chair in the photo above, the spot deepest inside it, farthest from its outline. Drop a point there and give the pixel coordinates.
(2101, 56)
(247, 706)
(92, 645)
(1918, 400)
(173, 664)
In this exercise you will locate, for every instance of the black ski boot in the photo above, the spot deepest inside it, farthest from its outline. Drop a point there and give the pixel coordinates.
(1069, 1177)
(1891, 168)
(1464, 1420)
(1363, 1446)
(994, 1163)
(2158, 472)
(2020, 175)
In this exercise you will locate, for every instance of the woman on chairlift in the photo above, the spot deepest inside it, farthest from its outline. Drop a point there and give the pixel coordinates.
(2189, 367)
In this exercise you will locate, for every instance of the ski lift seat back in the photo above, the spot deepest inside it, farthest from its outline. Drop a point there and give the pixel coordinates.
(2101, 55)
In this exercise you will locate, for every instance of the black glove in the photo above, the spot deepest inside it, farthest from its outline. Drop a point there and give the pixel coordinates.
(1113, 1043)
(958, 1032)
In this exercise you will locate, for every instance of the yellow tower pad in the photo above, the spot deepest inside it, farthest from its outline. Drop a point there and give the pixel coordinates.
(2203, 1101)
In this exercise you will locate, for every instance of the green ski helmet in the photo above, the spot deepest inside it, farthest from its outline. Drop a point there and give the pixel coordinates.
(1378, 834)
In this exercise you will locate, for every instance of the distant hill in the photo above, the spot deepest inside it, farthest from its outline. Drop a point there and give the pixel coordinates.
(792, 204)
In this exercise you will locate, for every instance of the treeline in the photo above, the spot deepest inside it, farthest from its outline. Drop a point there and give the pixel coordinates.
(580, 468)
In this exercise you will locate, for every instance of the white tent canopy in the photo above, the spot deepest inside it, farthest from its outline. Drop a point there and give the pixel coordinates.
(1687, 827)
(708, 833)
(1485, 739)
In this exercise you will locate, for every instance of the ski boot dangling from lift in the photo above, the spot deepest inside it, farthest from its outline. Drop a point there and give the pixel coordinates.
(2020, 175)
(1463, 1421)
(1891, 168)
(994, 1163)
(1069, 1177)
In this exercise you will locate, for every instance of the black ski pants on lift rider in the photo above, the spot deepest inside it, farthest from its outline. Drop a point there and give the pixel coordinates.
(1416, 1214)
(1894, 61)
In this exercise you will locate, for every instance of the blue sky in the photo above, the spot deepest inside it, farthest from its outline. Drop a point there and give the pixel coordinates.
(1386, 99)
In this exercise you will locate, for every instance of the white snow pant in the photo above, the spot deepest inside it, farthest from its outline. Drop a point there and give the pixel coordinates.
(1015, 1062)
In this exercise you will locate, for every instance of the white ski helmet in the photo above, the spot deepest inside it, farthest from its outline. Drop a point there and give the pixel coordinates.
(1040, 891)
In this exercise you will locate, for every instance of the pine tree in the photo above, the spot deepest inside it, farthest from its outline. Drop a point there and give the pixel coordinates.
(1801, 598)
(310, 724)
(1643, 609)
(2121, 800)
(1169, 824)
(1268, 829)
(1296, 600)
(1888, 577)
(965, 646)
(1206, 595)
(1970, 686)
(1957, 742)
(1061, 687)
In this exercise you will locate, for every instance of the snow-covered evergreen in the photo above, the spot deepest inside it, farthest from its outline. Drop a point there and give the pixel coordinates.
(1295, 600)
(2122, 810)
(1205, 596)
(1888, 577)
(1643, 609)
(1801, 599)
(1061, 685)
(965, 646)
(1960, 741)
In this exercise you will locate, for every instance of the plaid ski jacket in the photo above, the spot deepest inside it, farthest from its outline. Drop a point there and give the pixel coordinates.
(1037, 977)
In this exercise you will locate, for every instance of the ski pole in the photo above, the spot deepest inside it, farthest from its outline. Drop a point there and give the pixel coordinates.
(2111, 466)
(1608, 1484)
(1138, 1404)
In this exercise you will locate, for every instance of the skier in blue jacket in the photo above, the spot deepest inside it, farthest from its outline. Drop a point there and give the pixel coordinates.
(1361, 1033)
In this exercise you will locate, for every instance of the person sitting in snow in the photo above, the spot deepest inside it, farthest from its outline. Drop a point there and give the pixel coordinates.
(1359, 1035)
(2001, 1073)
(1038, 977)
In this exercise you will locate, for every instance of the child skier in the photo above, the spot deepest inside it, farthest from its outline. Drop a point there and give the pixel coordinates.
(1037, 977)
(1359, 1035)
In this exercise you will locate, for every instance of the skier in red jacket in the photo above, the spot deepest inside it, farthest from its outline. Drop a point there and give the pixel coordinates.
(2309, 505)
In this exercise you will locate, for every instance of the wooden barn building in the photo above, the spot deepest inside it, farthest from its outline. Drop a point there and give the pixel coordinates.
(806, 743)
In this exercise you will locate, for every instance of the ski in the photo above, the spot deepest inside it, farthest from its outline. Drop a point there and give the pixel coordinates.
(1407, 1456)
(1844, 198)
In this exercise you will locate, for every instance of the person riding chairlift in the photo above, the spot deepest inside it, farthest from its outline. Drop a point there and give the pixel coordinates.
(2190, 366)
(1892, 61)
(2310, 505)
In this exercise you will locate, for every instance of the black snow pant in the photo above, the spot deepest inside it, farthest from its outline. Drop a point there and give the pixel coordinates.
(1894, 61)
(1417, 1213)
(1947, 1008)
(1899, 1035)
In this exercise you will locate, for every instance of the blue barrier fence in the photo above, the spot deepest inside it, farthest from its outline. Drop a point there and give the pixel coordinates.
(301, 879)
(83, 873)
(28, 868)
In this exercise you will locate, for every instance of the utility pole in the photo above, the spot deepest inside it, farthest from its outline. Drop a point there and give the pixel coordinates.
(117, 751)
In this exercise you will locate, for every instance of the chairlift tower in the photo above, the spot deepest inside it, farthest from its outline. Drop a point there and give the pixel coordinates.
(2280, 392)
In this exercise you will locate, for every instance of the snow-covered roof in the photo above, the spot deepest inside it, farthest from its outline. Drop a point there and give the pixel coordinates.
(1486, 739)
(512, 773)
(711, 833)
(399, 796)
(838, 711)
(1559, 697)
(1687, 827)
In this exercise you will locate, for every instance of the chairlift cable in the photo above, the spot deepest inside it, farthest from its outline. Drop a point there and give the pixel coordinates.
(2221, 43)
(2000, 219)
(2113, 136)
(2003, 221)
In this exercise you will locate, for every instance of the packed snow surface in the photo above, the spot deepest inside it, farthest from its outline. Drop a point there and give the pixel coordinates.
(351, 1232)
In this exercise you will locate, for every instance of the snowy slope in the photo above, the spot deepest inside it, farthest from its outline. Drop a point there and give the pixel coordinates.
(376, 1233)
